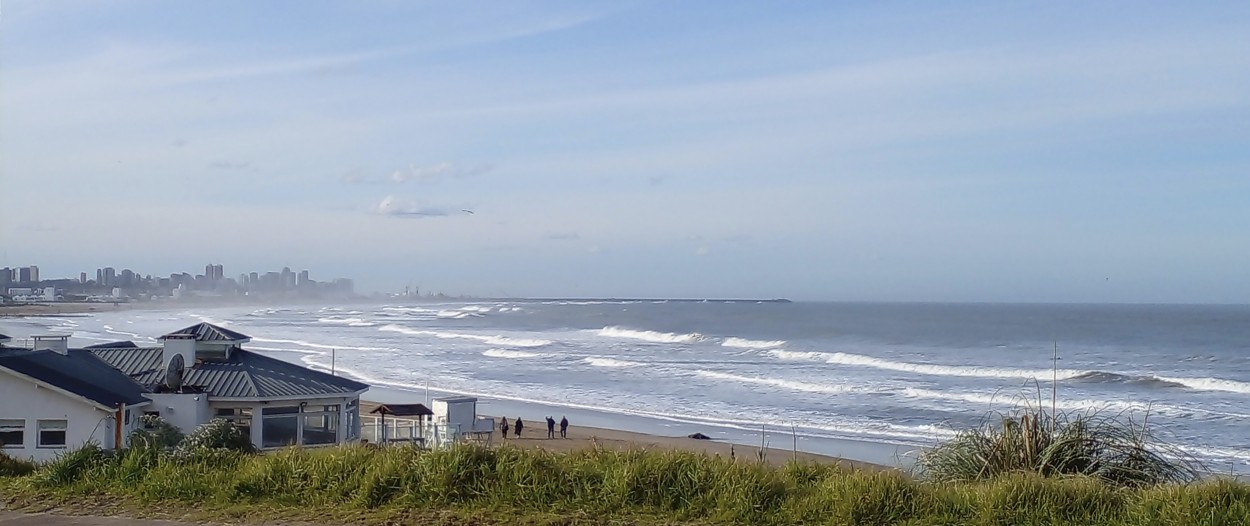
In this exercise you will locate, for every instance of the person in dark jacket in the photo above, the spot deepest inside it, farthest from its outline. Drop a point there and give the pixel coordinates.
(551, 427)
(503, 426)
(519, 426)
(564, 427)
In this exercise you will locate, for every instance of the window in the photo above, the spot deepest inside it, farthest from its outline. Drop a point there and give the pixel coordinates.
(12, 433)
(279, 426)
(52, 433)
(321, 425)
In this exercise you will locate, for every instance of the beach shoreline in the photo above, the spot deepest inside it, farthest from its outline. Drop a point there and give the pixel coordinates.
(585, 437)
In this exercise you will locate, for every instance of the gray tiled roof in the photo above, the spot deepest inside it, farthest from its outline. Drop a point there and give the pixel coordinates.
(78, 371)
(207, 332)
(245, 375)
(5, 338)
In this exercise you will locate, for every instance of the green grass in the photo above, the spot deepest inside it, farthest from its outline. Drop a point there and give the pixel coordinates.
(1112, 449)
(466, 485)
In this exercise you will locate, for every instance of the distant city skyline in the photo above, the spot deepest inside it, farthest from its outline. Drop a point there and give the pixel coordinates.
(884, 151)
(213, 280)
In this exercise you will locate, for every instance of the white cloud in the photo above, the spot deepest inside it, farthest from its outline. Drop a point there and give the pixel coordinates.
(395, 206)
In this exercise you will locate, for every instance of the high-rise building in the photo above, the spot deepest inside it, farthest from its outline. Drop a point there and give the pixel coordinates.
(23, 274)
(302, 280)
(34, 274)
(110, 277)
(99, 276)
(82, 278)
(127, 278)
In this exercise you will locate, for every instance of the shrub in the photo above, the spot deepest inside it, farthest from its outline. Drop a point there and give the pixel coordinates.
(1108, 448)
(156, 432)
(214, 434)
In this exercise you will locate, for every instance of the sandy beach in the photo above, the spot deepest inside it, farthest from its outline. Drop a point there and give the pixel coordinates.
(535, 436)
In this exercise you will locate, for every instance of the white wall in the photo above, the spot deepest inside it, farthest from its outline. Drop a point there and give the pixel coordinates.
(23, 399)
(185, 411)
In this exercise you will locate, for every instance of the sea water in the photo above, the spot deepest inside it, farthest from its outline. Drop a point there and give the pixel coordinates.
(902, 374)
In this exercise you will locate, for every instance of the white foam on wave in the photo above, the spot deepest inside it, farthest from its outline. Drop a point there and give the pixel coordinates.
(457, 314)
(840, 358)
(786, 384)
(351, 322)
(493, 340)
(1211, 384)
(318, 345)
(505, 353)
(743, 343)
(611, 362)
(650, 336)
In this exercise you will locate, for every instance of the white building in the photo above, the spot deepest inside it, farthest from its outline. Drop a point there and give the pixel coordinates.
(198, 374)
(53, 398)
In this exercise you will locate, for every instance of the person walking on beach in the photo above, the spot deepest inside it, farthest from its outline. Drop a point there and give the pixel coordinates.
(564, 427)
(519, 425)
(503, 426)
(551, 427)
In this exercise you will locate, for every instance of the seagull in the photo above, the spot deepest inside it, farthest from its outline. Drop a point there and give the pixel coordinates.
(466, 210)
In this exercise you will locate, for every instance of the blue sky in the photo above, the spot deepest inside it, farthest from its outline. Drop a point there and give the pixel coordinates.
(915, 151)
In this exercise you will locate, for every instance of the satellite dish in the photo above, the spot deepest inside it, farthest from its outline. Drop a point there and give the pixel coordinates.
(173, 373)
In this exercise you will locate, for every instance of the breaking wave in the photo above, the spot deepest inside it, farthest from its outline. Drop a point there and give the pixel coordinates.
(786, 384)
(743, 343)
(610, 362)
(504, 353)
(493, 340)
(650, 336)
(930, 369)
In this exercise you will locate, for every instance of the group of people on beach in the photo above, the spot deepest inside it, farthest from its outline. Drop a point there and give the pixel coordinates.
(520, 425)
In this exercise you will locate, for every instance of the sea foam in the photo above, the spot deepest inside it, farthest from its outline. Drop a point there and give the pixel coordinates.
(743, 343)
(504, 353)
(650, 336)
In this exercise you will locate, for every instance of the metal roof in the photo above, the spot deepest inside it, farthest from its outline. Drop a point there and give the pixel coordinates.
(403, 410)
(113, 345)
(207, 332)
(245, 375)
(78, 371)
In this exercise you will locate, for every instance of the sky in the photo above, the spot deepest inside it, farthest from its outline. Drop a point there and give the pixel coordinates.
(848, 151)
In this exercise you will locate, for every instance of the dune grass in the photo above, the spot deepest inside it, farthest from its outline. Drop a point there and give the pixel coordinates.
(1111, 448)
(368, 485)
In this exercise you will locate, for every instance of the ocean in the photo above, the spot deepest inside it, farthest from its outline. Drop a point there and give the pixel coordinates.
(823, 374)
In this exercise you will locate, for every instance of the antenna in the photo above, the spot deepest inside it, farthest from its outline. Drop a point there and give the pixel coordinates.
(173, 373)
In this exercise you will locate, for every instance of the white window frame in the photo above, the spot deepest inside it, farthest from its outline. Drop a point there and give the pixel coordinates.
(13, 424)
(59, 424)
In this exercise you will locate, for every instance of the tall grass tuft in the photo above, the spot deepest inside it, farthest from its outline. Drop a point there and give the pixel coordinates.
(1109, 448)
(13, 467)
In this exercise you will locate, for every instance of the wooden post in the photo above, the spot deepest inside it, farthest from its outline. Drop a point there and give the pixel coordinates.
(117, 428)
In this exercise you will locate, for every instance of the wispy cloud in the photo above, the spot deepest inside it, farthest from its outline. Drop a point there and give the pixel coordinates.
(419, 174)
(399, 207)
(562, 236)
(229, 165)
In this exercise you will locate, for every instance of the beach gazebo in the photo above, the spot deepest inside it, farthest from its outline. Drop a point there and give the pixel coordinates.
(404, 411)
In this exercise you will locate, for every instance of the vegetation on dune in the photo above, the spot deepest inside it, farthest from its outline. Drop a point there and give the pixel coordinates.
(510, 485)
(1109, 448)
